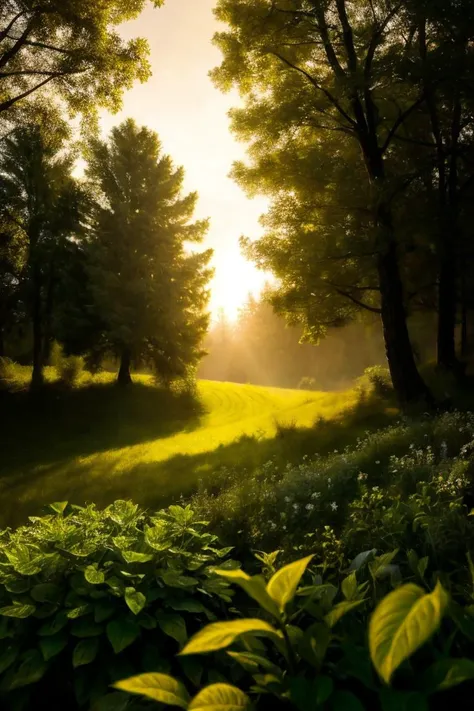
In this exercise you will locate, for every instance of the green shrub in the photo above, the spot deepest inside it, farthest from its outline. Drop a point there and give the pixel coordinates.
(307, 649)
(379, 380)
(87, 594)
(68, 368)
(7, 371)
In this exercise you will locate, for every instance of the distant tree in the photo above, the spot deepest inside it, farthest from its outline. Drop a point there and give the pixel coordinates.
(325, 101)
(72, 47)
(151, 292)
(39, 203)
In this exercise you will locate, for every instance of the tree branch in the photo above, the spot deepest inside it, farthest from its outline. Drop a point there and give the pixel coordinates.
(19, 43)
(317, 86)
(4, 33)
(10, 102)
(400, 120)
(348, 36)
(376, 38)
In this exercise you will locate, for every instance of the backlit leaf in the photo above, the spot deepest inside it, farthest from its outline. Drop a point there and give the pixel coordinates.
(447, 673)
(219, 635)
(403, 621)
(93, 575)
(254, 586)
(159, 687)
(18, 610)
(220, 697)
(282, 586)
(135, 600)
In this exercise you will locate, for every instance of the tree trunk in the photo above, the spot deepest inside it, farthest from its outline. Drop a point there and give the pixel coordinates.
(124, 377)
(2, 343)
(407, 382)
(48, 315)
(37, 378)
(447, 358)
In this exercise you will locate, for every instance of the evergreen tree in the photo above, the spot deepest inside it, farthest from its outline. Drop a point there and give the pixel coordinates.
(151, 291)
(39, 207)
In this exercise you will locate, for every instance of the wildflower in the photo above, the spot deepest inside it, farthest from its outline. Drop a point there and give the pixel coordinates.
(362, 476)
(329, 480)
(284, 528)
(296, 507)
(376, 488)
(336, 451)
(309, 507)
(334, 506)
(315, 494)
(287, 499)
(378, 461)
(273, 526)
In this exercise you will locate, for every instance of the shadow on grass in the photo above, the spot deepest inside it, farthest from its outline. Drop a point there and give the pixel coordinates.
(59, 424)
(159, 483)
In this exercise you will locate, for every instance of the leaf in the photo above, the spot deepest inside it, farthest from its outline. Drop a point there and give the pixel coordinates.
(220, 697)
(447, 673)
(159, 687)
(314, 644)
(159, 537)
(349, 586)
(135, 600)
(219, 635)
(392, 700)
(404, 620)
(85, 652)
(122, 633)
(322, 689)
(93, 575)
(46, 592)
(122, 512)
(190, 605)
(116, 701)
(59, 507)
(53, 626)
(345, 701)
(31, 670)
(53, 645)
(254, 662)
(378, 566)
(192, 669)
(103, 609)
(174, 626)
(361, 559)
(86, 628)
(17, 610)
(254, 586)
(341, 609)
(134, 557)
(79, 611)
(7, 656)
(282, 586)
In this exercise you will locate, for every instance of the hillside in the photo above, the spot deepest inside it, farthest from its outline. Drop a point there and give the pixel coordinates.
(98, 444)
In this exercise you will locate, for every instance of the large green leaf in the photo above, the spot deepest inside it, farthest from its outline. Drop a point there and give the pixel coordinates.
(404, 620)
(46, 592)
(53, 645)
(220, 697)
(282, 586)
(122, 633)
(7, 656)
(17, 610)
(135, 600)
(341, 609)
(135, 557)
(30, 670)
(219, 635)
(53, 626)
(85, 652)
(345, 701)
(159, 537)
(159, 687)
(174, 626)
(254, 586)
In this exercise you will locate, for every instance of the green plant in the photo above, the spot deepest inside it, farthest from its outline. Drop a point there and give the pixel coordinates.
(86, 594)
(311, 659)
(68, 368)
(379, 380)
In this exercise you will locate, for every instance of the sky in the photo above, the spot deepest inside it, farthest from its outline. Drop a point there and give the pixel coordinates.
(181, 104)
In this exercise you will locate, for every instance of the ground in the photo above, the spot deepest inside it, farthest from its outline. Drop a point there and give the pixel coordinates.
(99, 443)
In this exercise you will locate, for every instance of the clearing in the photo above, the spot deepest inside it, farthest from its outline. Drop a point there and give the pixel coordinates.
(98, 443)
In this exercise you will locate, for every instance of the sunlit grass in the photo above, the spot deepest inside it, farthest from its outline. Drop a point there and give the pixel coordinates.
(96, 443)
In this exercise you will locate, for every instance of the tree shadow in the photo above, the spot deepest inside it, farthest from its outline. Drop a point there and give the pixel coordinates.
(59, 424)
(155, 484)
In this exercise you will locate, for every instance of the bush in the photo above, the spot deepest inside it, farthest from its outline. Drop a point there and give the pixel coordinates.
(379, 380)
(7, 371)
(308, 649)
(87, 594)
(68, 368)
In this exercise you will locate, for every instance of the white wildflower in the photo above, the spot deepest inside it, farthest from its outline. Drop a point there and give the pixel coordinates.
(287, 499)
(334, 506)
(309, 507)
(378, 461)
(316, 495)
(376, 488)
(296, 507)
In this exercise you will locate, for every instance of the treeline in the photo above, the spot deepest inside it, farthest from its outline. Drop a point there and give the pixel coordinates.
(100, 263)
(359, 117)
(259, 347)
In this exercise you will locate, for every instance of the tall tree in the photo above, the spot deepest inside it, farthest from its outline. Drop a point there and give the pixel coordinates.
(151, 291)
(309, 69)
(39, 204)
(72, 47)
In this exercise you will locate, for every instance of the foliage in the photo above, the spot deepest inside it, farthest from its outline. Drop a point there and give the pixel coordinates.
(73, 49)
(313, 655)
(97, 592)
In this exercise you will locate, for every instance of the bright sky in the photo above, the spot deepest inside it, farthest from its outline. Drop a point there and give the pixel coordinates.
(181, 104)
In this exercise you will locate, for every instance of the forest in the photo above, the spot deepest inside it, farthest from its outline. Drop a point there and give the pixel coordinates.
(262, 508)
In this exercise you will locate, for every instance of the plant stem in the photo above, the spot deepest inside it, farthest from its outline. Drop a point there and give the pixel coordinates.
(290, 650)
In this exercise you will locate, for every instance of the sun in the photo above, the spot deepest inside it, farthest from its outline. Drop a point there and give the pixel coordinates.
(235, 278)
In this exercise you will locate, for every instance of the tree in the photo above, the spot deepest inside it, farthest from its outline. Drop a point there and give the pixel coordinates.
(39, 207)
(320, 76)
(150, 290)
(71, 47)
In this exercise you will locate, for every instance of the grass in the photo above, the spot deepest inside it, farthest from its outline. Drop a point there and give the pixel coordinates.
(99, 443)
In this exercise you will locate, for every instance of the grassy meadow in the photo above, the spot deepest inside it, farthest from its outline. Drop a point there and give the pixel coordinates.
(97, 443)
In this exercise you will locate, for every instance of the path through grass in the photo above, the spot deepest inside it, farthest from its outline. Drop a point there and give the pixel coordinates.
(98, 443)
